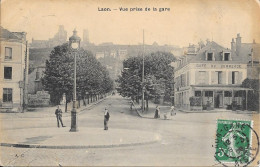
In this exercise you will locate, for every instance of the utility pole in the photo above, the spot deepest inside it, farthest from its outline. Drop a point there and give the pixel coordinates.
(252, 63)
(25, 92)
(143, 77)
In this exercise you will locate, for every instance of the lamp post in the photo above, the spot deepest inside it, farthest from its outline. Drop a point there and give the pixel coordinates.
(143, 77)
(74, 45)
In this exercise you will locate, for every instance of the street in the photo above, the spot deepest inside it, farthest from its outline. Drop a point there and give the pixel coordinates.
(187, 139)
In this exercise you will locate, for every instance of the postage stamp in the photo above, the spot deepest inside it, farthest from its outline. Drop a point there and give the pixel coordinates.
(234, 142)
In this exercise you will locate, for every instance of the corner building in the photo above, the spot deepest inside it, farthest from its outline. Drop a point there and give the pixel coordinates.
(210, 78)
(12, 65)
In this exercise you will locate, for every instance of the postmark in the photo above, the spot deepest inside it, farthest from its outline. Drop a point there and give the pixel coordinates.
(234, 145)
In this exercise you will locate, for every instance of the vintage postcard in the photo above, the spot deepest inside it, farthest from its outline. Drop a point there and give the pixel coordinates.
(129, 82)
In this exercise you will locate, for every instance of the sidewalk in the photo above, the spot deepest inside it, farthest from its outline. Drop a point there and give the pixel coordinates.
(61, 138)
(219, 110)
(165, 109)
(149, 114)
(50, 111)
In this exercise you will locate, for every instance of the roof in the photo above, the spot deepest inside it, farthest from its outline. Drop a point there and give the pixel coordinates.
(11, 35)
(7, 34)
(217, 50)
(246, 50)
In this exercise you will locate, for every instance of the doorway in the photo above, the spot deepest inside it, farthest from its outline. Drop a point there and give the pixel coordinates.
(218, 99)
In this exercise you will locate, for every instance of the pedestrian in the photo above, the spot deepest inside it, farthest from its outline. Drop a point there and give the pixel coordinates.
(131, 105)
(106, 119)
(58, 113)
(172, 110)
(157, 112)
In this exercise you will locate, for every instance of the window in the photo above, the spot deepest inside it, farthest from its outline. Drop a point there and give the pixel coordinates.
(234, 77)
(197, 93)
(7, 72)
(7, 95)
(210, 56)
(228, 94)
(8, 53)
(202, 77)
(208, 93)
(219, 73)
(226, 56)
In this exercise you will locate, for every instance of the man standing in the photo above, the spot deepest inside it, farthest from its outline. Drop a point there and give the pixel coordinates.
(106, 119)
(58, 114)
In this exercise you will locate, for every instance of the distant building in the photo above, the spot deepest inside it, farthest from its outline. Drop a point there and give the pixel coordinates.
(12, 63)
(85, 36)
(251, 54)
(100, 55)
(35, 79)
(59, 38)
(122, 53)
(210, 78)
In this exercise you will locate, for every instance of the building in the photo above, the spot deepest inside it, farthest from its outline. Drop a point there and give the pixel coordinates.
(85, 36)
(13, 62)
(59, 38)
(251, 51)
(35, 79)
(210, 78)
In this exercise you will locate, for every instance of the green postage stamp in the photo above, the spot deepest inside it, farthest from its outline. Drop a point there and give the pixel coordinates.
(234, 142)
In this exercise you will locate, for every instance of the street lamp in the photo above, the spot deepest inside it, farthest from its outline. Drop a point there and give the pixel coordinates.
(143, 89)
(74, 45)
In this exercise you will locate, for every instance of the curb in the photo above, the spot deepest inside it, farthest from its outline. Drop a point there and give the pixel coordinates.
(219, 111)
(141, 115)
(80, 111)
(76, 147)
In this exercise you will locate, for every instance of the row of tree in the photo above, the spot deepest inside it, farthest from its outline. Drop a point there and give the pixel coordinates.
(92, 78)
(158, 77)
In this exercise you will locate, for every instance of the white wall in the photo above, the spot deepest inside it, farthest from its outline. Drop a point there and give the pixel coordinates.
(17, 63)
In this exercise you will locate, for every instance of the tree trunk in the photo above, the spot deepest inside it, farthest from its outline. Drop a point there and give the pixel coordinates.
(84, 101)
(147, 104)
(66, 105)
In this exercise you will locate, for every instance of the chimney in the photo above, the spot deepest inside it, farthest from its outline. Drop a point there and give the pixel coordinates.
(233, 45)
(207, 42)
(238, 44)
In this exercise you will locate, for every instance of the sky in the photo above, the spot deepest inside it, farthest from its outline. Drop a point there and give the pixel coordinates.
(188, 21)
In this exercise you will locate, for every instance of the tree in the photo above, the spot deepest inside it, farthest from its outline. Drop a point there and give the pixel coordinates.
(158, 76)
(91, 76)
(253, 96)
(58, 77)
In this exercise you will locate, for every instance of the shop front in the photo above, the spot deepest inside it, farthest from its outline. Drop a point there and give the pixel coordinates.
(209, 98)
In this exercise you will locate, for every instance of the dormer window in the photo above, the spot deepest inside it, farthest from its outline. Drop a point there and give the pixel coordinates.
(210, 56)
(227, 56)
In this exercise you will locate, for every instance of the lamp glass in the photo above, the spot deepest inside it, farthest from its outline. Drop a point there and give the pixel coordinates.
(74, 45)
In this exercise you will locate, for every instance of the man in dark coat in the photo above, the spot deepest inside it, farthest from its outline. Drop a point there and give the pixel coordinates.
(106, 119)
(58, 114)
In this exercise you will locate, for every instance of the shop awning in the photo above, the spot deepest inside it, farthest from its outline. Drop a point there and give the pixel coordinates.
(212, 88)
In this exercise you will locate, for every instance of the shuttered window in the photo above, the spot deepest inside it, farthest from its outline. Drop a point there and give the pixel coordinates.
(235, 77)
(202, 77)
